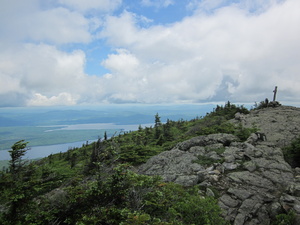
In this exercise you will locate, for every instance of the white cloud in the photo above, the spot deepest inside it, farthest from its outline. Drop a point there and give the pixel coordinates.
(44, 70)
(193, 59)
(237, 53)
(61, 99)
(123, 62)
(58, 25)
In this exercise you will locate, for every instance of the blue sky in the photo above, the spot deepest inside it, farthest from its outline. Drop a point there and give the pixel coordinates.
(73, 52)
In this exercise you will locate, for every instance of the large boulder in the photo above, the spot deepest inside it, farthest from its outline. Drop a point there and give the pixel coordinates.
(179, 164)
(254, 182)
(175, 166)
(279, 124)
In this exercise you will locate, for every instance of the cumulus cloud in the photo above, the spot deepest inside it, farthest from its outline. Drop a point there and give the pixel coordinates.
(61, 99)
(221, 52)
(231, 52)
(41, 72)
(54, 25)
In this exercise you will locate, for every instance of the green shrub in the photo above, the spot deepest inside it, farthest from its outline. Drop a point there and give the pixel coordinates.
(179, 205)
(204, 160)
(285, 219)
(292, 153)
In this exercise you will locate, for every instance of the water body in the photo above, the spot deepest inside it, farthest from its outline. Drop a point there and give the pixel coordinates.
(118, 117)
(44, 151)
(36, 152)
(96, 126)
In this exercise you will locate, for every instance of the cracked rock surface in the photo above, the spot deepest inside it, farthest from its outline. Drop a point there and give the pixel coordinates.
(254, 181)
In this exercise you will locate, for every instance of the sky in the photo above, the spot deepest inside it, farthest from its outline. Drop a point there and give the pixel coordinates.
(76, 52)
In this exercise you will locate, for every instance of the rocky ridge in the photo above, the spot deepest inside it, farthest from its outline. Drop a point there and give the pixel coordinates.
(251, 179)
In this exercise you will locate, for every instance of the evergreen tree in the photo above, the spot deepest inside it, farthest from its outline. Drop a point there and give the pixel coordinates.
(73, 160)
(157, 125)
(157, 120)
(17, 151)
(167, 131)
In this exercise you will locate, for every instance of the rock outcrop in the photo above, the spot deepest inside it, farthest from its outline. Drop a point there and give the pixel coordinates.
(251, 179)
(279, 124)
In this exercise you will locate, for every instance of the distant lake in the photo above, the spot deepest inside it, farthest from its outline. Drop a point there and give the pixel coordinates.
(51, 130)
(96, 126)
(46, 150)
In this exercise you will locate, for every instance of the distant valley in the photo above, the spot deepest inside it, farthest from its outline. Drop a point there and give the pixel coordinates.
(33, 124)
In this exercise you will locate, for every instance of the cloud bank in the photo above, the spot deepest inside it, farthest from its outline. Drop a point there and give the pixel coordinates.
(222, 51)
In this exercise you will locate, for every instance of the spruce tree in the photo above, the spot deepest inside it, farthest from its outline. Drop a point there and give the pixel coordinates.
(17, 151)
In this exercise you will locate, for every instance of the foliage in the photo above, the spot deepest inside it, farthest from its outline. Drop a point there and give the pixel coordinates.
(292, 153)
(243, 133)
(261, 104)
(266, 104)
(204, 160)
(96, 184)
(17, 151)
(173, 203)
(228, 110)
(285, 219)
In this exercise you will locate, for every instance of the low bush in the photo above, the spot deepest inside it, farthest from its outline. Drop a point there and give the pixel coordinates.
(292, 153)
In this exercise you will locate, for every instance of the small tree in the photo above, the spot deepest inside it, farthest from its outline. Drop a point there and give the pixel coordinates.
(105, 136)
(157, 120)
(157, 125)
(17, 151)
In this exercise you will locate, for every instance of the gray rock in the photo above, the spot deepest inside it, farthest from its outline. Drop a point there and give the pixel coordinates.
(228, 201)
(275, 209)
(239, 219)
(230, 166)
(297, 208)
(252, 139)
(294, 189)
(250, 206)
(278, 177)
(240, 193)
(206, 140)
(264, 185)
(197, 150)
(250, 166)
(209, 192)
(245, 177)
(279, 124)
(175, 166)
(187, 180)
(213, 155)
(239, 116)
(229, 158)
(287, 198)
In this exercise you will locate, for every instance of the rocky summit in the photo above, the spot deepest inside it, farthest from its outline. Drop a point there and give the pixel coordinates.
(251, 179)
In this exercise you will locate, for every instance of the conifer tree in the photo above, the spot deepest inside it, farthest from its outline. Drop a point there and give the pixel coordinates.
(157, 125)
(17, 151)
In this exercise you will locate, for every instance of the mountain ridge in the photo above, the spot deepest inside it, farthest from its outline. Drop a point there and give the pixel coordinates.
(252, 178)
